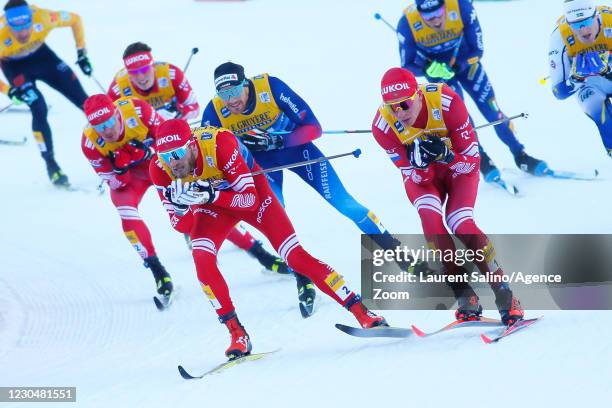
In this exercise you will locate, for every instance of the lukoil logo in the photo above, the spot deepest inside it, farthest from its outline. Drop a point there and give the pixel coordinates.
(168, 139)
(395, 87)
(98, 113)
(136, 58)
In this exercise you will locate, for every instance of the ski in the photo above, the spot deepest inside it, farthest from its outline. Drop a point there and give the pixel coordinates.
(164, 302)
(6, 142)
(224, 366)
(507, 187)
(563, 175)
(520, 325)
(380, 331)
(483, 321)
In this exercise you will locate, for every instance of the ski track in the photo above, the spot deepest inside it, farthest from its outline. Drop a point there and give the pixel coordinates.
(76, 303)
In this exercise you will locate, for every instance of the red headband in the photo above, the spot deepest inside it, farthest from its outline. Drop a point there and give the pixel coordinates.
(138, 60)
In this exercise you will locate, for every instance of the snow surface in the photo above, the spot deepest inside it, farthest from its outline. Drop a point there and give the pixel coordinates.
(75, 301)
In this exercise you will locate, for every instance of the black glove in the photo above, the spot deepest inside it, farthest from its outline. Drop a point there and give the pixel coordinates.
(258, 141)
(24, 93)
(423, 152)
(83, 61)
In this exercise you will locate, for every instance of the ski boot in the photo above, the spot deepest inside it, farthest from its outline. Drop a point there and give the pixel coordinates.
(306, 295)
(509, 307)
(366, 318)
(240, 345)
(489, 171)
(530, 164)
(56, 175)
(469, 308)
(162, 277)
(267, 260)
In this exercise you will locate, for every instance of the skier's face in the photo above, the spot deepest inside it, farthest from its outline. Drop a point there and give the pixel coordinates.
(112, 129)
(237, 104)
(586, 30)
(184, 166)
(409, 116)
(23, 36)
(143, 78)
(435, 19)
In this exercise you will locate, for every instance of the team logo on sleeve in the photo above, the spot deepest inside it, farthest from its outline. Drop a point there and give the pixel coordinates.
(38, 28)
(64, 15)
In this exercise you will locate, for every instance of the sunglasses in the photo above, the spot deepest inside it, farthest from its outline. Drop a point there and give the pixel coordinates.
(587, 22)
(175, 154)
(105, 125)
(140, 71)
(431, 15)
(403, 105)
(233, 92)
(19, 18)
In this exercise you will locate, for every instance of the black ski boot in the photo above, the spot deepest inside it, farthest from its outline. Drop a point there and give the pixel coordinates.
(306, 295)
(469, 308)
(267, 260)
(530, 164)
(489, 171)
(509, 306)
(162, 277)
(56, 175)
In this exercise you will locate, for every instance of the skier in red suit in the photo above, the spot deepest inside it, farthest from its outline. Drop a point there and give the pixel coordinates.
(204, 179)
(426, 131)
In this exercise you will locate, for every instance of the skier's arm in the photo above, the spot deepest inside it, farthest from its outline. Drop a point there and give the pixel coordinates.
(461, 133)
(242, 194)
(102, 165)
(186, 102)
(66, 19)
(113, 90)
(560, 67)
(472, 47)
(384, 136)
(298, 112)
(411, 58)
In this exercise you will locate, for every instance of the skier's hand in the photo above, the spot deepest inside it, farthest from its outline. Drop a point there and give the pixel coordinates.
(24, 93)
(84, 62)
(422, 152)
(199, 192)
(259, 141)
(439, 70)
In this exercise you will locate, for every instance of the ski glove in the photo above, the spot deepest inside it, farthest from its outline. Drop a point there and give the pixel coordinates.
(259, 141)
(24, 93)
(590, 63)
(185, 193)
(439, 70)
(423, 152)
(131, 155)
(84, 62)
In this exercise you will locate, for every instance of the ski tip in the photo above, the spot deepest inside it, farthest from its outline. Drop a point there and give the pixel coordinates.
(417, 331)
(184, 373)
(486, 339)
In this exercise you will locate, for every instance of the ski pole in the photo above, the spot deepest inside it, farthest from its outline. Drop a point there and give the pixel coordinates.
(7, 107)
(503, 120)
(377, 16)
(355, 153)
(543, 80)
(194, 51)
(97, 83)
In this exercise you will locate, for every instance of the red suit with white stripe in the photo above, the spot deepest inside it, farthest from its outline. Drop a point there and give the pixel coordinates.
(442, 114)
(214, 155)
(136, 120)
